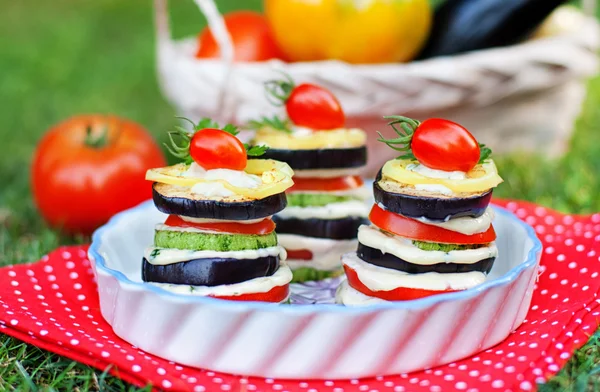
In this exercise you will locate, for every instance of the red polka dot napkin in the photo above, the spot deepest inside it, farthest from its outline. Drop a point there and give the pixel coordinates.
(53, 304)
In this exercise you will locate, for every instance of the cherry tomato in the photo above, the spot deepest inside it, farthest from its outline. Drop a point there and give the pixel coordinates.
(314, 107)
(251, 35)
(216, 149)
(415, 230)
(326, 184)
(276, 294)
(299, 254)
(444, 145)
(398, 294)
(90, 167)
(265, 226)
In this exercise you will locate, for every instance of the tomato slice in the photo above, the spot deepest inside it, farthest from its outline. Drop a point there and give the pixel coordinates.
(326, 184)
(415, 230)
(299, 254)
(276, 294)
(265, 226)
(398, 294)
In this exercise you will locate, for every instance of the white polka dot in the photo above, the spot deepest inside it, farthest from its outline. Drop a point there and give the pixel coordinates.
(161, 371)
(73, 275)
(553, 368)
(448, 377)
(14, 322)
(509, 369)
(435, 388)
(48, 269)
(572, 265)
(526, 386)
(497, 384)
(166, 384)
(473, 373)
(136, 368)
(66, 254)
(74, 342)
(553, 275)
(200, 388)
(81, 297)
(226, 387)
(105, 354)
(43, 332)
(77, 286)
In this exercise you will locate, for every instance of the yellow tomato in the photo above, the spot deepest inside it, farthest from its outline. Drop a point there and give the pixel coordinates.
(356, 31)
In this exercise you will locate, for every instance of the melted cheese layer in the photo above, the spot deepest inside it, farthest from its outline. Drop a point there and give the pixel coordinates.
(264, 284)
(326, 252)
(347, 295)
(330, 211)
(404, 249)
(385, 279)
(168, 256)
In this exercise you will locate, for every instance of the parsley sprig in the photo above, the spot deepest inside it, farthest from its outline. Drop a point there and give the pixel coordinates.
(274, 122)
(181, 148)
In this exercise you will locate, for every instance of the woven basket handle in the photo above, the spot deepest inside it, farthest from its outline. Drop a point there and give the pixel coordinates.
(216, 24)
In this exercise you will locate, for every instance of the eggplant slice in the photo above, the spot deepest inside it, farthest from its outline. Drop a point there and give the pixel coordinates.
(335, 229)
(211, 271)
(327, 158)
(438, 209)
(216, 209)
(387, 260)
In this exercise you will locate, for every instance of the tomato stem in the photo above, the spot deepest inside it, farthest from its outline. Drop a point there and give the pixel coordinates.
(96, 142)
(278, 91)
(405, 128)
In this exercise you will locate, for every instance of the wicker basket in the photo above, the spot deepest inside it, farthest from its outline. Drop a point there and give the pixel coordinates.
(523, 97)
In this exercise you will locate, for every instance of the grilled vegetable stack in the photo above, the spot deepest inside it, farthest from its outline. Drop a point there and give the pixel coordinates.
(327, 204)
(431, 228)
(219, 238)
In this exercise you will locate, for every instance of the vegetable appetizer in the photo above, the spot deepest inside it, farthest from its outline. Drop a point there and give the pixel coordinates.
(219, 238)
(327, 204)
(431, 228)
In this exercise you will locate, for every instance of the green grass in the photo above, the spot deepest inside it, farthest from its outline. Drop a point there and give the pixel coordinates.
(66, 57)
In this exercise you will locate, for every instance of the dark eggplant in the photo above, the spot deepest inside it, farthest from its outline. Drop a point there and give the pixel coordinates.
(210, 272)
(328, 158)
(432, 208)
(466, 25)
(215, 209)
(335, 229)
(388, 260)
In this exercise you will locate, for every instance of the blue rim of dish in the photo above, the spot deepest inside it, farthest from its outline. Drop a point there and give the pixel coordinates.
(505, 279)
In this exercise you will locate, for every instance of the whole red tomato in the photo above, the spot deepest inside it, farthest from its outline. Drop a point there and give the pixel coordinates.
(90, 167)
(251, 35)
(216, 149)
(314, 107)
(445, 145)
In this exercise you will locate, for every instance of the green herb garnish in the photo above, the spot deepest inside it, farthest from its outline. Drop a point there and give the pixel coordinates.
(274, 122)
(181, 148)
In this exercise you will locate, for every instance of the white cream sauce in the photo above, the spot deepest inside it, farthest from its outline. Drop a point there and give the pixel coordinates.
(326, 252)
(433, 173)
(257, 285)
(386, 279)
(347, 295)
(330, 211)
(404, 249)
(434, 188)
(210, 188)
(328, 173)
(166, 256)
(465, 225)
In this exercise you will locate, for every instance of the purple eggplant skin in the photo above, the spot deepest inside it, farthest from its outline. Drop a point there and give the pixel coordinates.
(434, 209)
(214, 209)
(388, 260)
(327, 158)
(335, 229)
(466, 25)
(211, 271)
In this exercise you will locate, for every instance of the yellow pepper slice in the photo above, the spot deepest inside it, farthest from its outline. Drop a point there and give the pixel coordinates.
(276, 177)
(481, 178)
